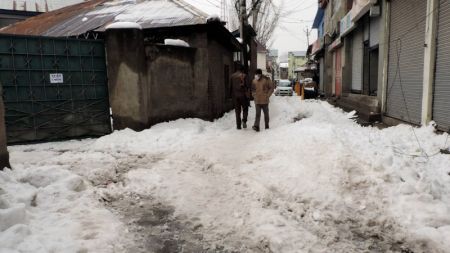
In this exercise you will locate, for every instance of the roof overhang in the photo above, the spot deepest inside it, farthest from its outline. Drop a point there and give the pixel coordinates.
(347, 25)
(317, 46)
(337, 43)
(360, 8)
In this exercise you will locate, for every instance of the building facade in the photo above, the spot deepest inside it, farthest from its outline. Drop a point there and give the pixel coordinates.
(296, 59)
(272, 64)
(386, 59)
(261, 58)
(284, 70)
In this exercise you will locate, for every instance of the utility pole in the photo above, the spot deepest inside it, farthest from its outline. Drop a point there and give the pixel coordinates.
(308, 32)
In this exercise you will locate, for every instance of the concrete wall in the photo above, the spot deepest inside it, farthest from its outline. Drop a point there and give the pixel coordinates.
(334, 12)
(151, 83)
(127, 80)
(219, 57)
(4, 155)
(262, 62)
(175, 89)
(328, 73)
(347, 69)
(294, 63)
(284, 73)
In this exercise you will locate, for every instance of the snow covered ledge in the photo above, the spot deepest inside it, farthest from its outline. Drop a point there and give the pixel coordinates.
(123, 25)
(176, 42)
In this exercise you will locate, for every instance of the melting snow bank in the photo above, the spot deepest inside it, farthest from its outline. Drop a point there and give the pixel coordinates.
(175, 42)
(124, 25)
(49, 209)
(315, 182)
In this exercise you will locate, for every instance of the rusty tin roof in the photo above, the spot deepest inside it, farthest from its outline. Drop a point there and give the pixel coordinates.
(36, 5)
(95, 15)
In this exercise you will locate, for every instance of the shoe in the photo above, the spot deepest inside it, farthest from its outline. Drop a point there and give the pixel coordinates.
(255, 128)
(244, 124)
(267, 127)
(239, 127)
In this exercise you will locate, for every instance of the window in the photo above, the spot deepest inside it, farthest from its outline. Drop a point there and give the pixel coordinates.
(237, 56)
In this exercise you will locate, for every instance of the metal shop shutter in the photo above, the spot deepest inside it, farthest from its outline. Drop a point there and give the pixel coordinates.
(53, 88)
(375, 24)
(357, 60)
(322, 69)
(406, 56)
(441, 101)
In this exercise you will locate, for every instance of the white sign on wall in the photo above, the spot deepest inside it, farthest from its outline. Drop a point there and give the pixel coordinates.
(56, 78)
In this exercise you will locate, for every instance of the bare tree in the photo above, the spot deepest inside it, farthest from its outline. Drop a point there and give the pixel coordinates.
(265, 16)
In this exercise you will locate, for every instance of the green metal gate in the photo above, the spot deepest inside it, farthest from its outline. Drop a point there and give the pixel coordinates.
(53, 88)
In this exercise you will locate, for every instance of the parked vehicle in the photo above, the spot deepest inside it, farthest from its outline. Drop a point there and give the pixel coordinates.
(284, 88)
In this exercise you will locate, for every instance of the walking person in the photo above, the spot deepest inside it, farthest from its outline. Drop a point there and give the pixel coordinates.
(262, 89)
(239, 90)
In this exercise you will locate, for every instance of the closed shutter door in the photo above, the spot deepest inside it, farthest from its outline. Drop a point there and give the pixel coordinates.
(322, 69)
(406, 56)
(374, 31)
(357, 61)
(441, 104)
(338, 76)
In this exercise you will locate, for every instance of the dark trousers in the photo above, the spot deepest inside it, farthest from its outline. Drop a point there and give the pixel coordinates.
(265, 109)
(241, 105)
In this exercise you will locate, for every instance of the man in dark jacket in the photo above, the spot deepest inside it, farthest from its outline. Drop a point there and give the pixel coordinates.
(241, 102)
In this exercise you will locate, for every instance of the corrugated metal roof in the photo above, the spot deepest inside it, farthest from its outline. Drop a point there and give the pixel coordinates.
(97, 14)
(298, 53)
(36, 5)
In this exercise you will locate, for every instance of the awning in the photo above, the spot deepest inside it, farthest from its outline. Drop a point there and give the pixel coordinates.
(336, 44)
(347, 25)
(317, 46)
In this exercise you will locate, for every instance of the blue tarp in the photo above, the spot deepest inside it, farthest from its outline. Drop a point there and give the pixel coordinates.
(319, 17)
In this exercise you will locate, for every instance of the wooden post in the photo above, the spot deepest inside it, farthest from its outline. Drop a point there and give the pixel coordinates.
(303, 92)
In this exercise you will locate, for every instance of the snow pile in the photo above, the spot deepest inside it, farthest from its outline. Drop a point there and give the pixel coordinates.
(123, 25)
(175, 42)
(213, 18)
(49, 209)
(314, 182)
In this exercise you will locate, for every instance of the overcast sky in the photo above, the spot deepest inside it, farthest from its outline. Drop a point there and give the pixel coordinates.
(290, 35)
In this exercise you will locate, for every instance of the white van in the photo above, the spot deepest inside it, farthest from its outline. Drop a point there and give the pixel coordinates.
(284, 88)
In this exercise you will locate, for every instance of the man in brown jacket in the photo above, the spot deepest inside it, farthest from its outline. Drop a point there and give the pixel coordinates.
(262, 89)
(241, 102)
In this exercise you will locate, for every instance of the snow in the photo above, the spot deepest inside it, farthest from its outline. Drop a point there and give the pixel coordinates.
(176, 42)
(314, 182)
(155, 13)
(213, 17)
(124, 25)
(49, 209)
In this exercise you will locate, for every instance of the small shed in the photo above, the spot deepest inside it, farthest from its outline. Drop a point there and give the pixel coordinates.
(149, 81)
